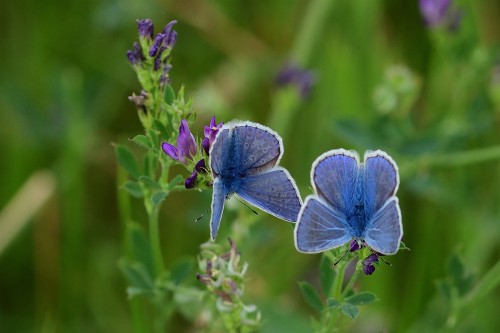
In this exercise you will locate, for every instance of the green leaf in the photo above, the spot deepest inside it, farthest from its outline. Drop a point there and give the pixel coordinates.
(350, 310)
(333, 303)
(326, 274)
(137, 276)
(402, 246)
(133, 188)
(142, 140)
(161, 128)
(362, 298)
(181, 269)
(149, 182)
(127, 160)
(154, 138)
(172, 183)
(169, 95)
(311, 296)
(158, 197)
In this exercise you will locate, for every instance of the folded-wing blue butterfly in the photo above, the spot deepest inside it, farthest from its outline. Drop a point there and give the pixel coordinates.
(243, 160)
(352, 200)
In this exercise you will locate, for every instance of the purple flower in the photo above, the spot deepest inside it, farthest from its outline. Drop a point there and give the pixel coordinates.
(200, 166)
(293, 75)
(440, 13)
(368, 267)
(205, 144)
(135, 56)
(186, 145)
(370, 259)
(163, 40)
(210, 132)
(145, 28)
(190, 181)
(354, 245)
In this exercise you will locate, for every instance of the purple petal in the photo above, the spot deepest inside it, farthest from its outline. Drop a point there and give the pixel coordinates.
(370, 259)
(205, 144)
(172, 151)
(145, 28)
(369, 269)
(185, 141)
(354, 246)
(156, 44)
(190, 182)
(200, 166)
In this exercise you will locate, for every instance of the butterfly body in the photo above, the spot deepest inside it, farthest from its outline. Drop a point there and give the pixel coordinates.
(243, 160)
(352, 200)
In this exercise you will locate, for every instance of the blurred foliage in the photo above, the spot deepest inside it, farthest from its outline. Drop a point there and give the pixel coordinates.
(63, 101)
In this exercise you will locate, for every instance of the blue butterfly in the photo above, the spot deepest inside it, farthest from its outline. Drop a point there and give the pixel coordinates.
(243, 160)
(351, 201)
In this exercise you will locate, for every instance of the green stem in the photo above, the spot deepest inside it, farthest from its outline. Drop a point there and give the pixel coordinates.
(330, 315)
(483, 288)
(125, 214)
(310, 30)
(154, 235)
(284, 104)
(350, 284)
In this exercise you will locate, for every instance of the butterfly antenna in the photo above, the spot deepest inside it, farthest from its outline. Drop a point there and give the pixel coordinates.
(379, 256)
(386, 262)
(340, 259)
(247, 206)
(201, 216)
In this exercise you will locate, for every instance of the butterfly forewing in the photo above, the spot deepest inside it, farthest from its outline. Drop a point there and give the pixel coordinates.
(218, 199)
(334, 176)
(256, 149)
(380, 181)
(219, 151)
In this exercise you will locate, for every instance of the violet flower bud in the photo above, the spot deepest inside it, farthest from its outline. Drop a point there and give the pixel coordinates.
(145, 28)
(190, 182)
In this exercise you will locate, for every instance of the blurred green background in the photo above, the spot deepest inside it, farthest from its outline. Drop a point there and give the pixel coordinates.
(431, 99)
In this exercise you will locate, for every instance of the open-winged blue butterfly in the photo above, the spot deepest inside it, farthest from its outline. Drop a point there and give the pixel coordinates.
(243, 160)
(352, 200)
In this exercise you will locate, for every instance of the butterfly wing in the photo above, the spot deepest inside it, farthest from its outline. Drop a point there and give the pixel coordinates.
(334, 176)
(218, 199)
(219, 152)
(385, 230)
(274, 192)
(256, 148)
(380, 180)
(320, 227)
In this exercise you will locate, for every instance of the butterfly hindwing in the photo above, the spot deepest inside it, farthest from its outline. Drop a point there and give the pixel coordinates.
(320, 227)
(274, 192)
(385, 229)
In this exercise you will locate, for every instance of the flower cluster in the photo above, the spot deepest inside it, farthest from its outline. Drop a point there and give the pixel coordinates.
(293, 75)
(223, 275)
(368, 262)
(440, 13)
(155, 53)
(186, 151)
